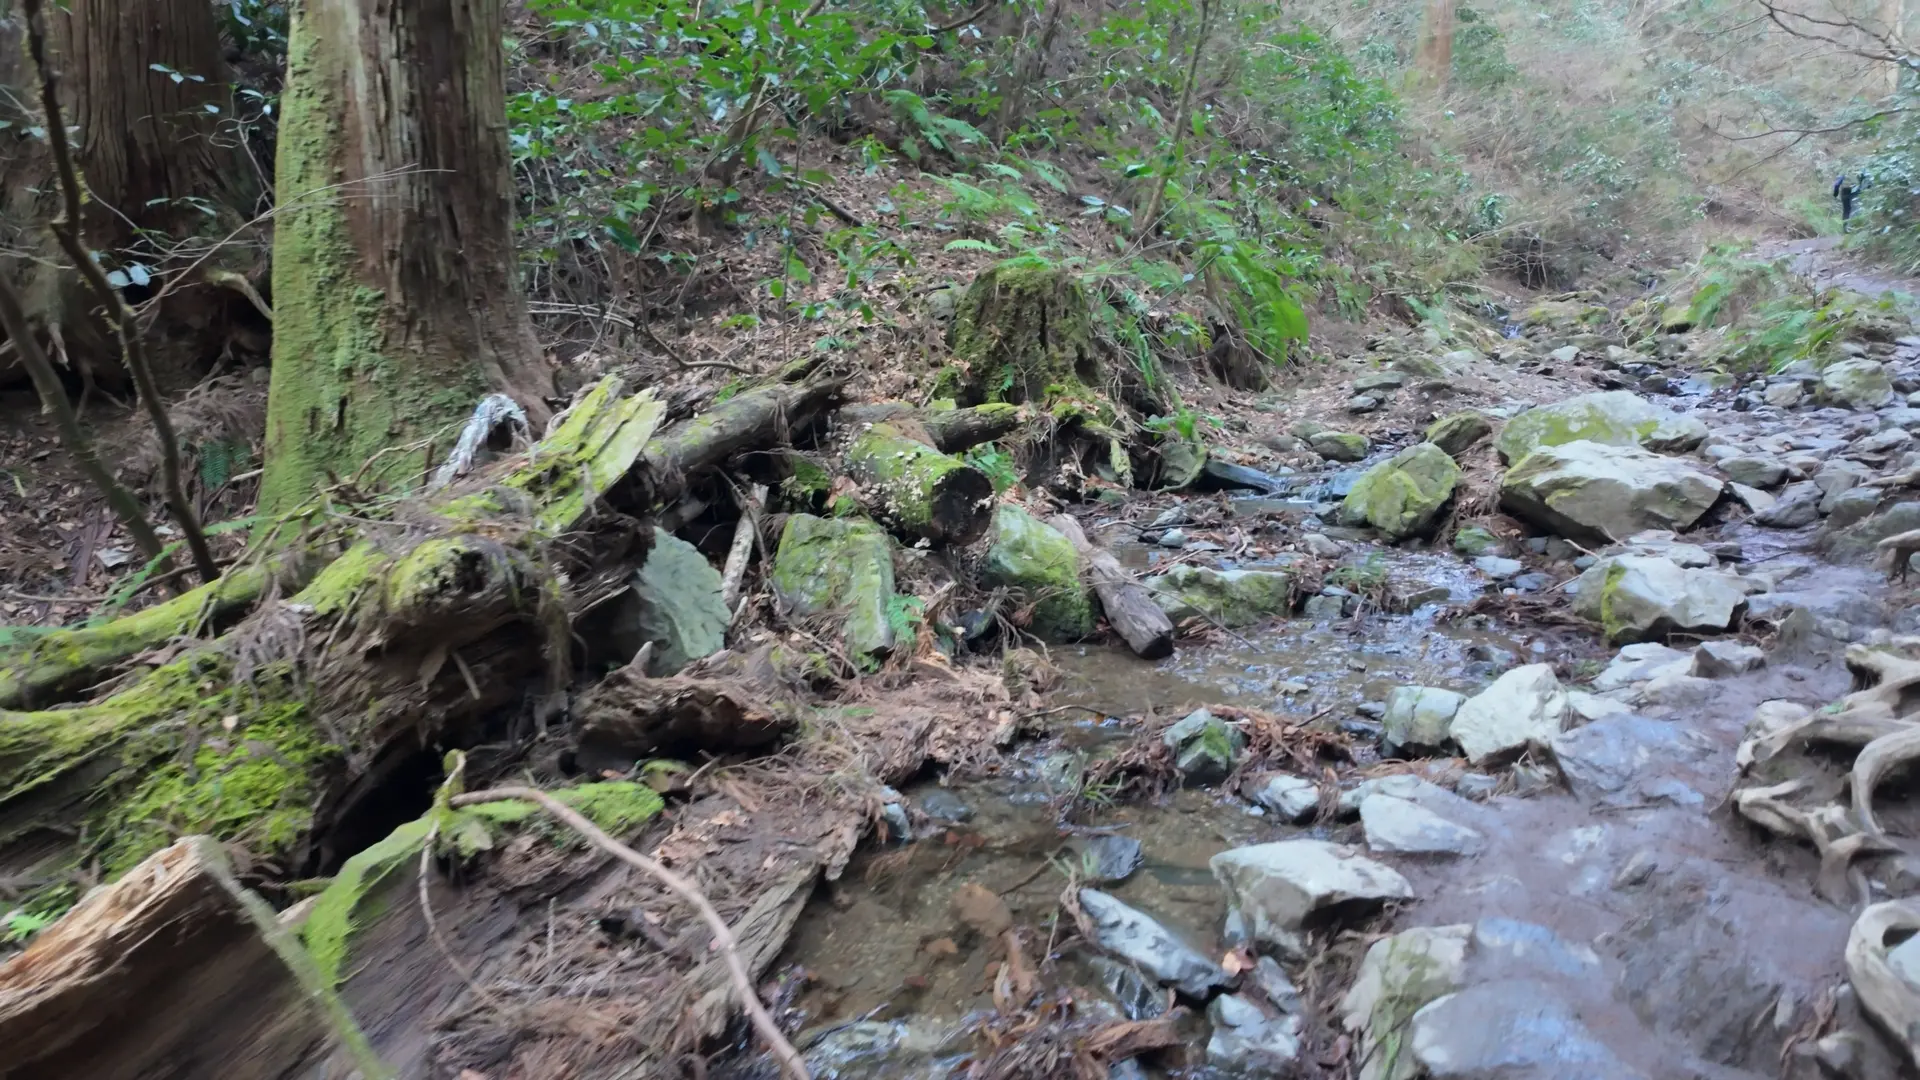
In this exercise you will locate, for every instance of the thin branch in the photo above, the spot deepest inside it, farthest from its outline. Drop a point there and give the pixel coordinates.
(1182, 120)
(1807, 132)
(66, 228)
(970, 16)
(723, 939)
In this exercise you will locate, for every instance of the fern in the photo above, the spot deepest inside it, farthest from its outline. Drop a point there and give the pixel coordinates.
(972, 245)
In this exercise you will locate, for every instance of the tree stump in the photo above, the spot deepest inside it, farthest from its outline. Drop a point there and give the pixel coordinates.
(919, 490)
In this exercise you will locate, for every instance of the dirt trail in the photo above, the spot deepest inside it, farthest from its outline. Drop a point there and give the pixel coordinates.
(1824, 262)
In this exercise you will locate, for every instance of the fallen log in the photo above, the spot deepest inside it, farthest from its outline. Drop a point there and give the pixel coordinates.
(1128, 605)
(919, 490)
(949, 431)
(628, 717)
(174, 970)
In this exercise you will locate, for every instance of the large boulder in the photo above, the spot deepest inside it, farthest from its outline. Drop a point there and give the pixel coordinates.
(1400, 826)
(1509, 1029)
(1029, 555)
(1601, 493)
(1611, 417)
(1859, 542)
(1228, 597)
(842, 566)
(1279, 887)
(680, 609)
(1524, 708)
(1856, 382)
(1403, 495)
(1646, 597)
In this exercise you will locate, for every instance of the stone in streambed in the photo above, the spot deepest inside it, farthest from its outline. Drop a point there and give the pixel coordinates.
(1032, 556)
(1108, 858)
(1418, 717)
(1204, 746)
(1755, 470)
(1248, 1042)
(1456, 433)
(1278, 888)
(843, 566)
(1524, 708)
(1289, 798)
(1510, 1029)
(1644, 597)
(680, 607)
(1396, 826)
(1136, 938)
(1399, 976)
(1338, 445)
(1232, 598)
(1600, 493)
(1613, 418)
(1474, 541)
(1718, 659)
(1403, 495)
(1858, 383)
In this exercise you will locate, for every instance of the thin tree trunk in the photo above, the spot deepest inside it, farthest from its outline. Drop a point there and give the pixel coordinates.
(397, 304)
(1434, 60)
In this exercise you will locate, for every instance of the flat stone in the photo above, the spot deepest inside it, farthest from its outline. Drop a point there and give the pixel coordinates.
(1419, 716)
(1718, 659)
(1850, 506)
(1396, 826)
(1458, 432)
(1753, 499)
(1795, 507)
(1107, 857)
(680, 608)
(1510, 1029)
(1363, 403)
(1601, 493)
(1136, 938)
(1498, 568)
(1338, 445)
(1640, 662)
(1783, 395)
(1641, 597)
(1857, 382)
(1613, 418)
(1525, 707)
(1321, 546)
(1232, 598)
(1590, 707)
(1247, 1041)
(1678, 691)
(1602, 758)
(1755, 470)
(1279, 887)
(1289, 798)
(1379, 380)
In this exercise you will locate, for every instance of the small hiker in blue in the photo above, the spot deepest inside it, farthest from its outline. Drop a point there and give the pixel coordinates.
(1846, 191)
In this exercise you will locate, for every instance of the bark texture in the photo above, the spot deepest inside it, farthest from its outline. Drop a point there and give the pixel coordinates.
(1129, 607)
(397, 304)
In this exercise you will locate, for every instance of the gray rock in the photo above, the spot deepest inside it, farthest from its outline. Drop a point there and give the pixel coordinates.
(1321, 546)
(1204, 746)
(1173, 538)
(1859, 383)
(1458, 432)
(1613, 418)
(1272, 981)
(1406, 786)
(1642, 597)
(1718, 659)
(1325, 607)
(876, 1050)
(1232, 598)
(1783, 395)
(1399, 976)
(1510, 1029)
(1525, 707)
(1852, 505)
(1532, 582)
(1640, 662)
(1797, 506)
(1755, 470)
(1136, 938)
(1497, 568)
(680, 608)
(1475, 785)
(1856, 542)
(1880, 442)
(1753, 499)
(1678, 691)
(1138, 996)
(942, 805)
(1602, 493)
(1379, 380)
(1248, 1042)
(1603, 758)
(1279, 887)
(1289, 798)
(1396, 826)
(1363, 403)
(1338, 445)
(1418, 717)
(1106, 858)
(1590, 707)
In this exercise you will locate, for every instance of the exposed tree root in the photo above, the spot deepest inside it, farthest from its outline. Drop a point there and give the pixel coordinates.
(1888, 998)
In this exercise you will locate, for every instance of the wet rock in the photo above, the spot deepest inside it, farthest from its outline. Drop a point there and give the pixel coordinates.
(1396, 826)
(1403, 495)
(1755, 470)
(1612, 418)
(1406, 786)
(1525, 707)
(1232, 598)
(1474, 541)
(1587, 707)
(876, 1050)
(1289, 798)
(1856, 542)
(1718, 659)
(1327, 606)
(898, 826)
(1363, 403)
(1136, 938)
(1475, 785)
(1753, 499)
(1640, 662)
(1227, 476)
(1783, 395)
(1636, 871)
(1497, 568)
(1678, 691)
(1858, 383)
(1272, 982)
(1173, 538)
(1028, 554)
(1510, 948)
(1379, 380)
(1838, 475)
(1797, 506)
(1600, 493)
(1532, 582)
(1603, 758)
(1139, 997)
(1880, 443)
(943, 805)
(1338, 445)
(1510, 1029)
(680, 608)
(1850, 506)
(1280, 887)
(843, 565)
(1689, 969)
(1417, 717)
(1248, 1042)
(1204, 746)
(1642, 597)
(1321, 546)
(1107, 858)
(1399, 976)
(1456, 433)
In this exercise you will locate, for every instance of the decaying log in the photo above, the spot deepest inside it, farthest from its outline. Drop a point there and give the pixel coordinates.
(919, 490)
(1129, 607)
(758, 418)
(949, 431)
(1887, 997)
(628, 717)
(174, 970)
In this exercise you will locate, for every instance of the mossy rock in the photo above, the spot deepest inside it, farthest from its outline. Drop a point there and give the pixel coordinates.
(1403, 495)
(1339, 445)
(1474, 542)
(1456, 433)
(1610, 418)
(1228, 597)
(1029, 555)
(681, 610)
(842, 566)
(1565, 315)
(1024, 333)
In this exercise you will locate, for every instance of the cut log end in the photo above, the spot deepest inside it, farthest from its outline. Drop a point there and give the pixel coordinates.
(961, 506)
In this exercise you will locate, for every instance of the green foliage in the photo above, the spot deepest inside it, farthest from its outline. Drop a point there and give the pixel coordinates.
(905, 616)
(18, 925)
(997, 464)
(1365, 577)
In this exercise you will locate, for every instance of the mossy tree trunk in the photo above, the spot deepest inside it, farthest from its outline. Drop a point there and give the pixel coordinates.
(397, 306)
(1025, 333)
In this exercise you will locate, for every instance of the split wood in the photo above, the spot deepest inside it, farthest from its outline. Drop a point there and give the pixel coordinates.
(723, 939)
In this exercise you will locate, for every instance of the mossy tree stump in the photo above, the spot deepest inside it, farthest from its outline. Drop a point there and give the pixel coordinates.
(1024, 333)
(919, 490)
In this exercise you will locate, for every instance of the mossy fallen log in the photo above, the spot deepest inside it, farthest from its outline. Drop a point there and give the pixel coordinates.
(949, 431)
(54, 667)
(278, 734)
(919, 490)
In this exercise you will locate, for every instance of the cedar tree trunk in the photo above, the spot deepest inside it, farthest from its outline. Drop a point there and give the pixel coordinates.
(395, 298)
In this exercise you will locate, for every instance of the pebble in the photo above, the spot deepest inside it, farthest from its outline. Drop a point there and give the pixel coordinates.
(1173, 538)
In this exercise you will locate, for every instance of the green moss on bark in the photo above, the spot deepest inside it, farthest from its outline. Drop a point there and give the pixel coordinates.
(1024, 332)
